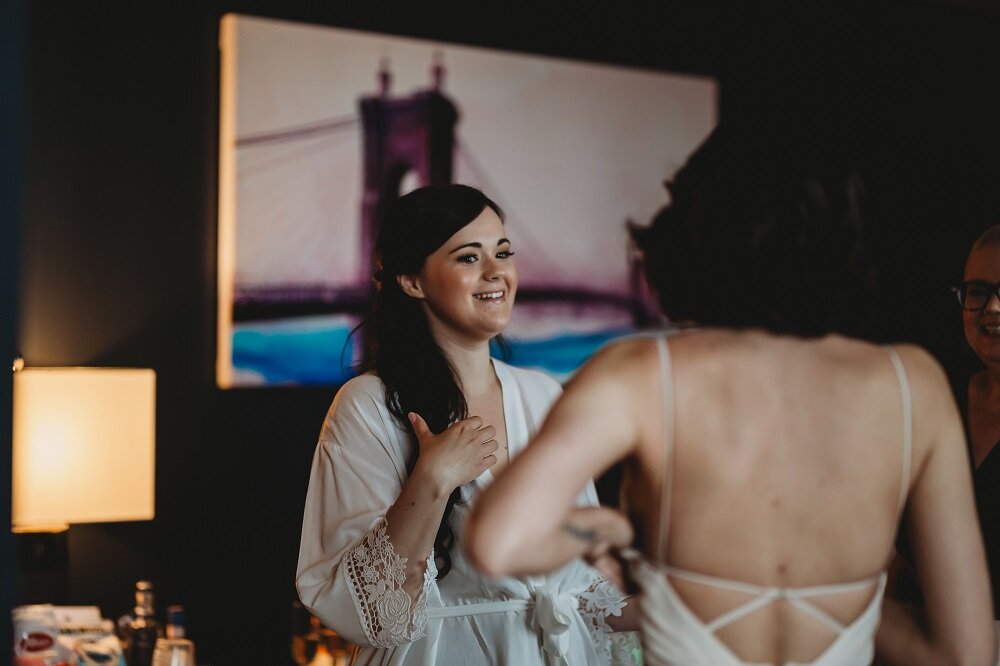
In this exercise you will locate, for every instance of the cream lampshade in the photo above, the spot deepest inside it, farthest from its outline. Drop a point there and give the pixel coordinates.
(84, 446)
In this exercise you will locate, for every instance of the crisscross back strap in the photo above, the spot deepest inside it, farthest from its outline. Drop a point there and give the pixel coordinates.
(762, 596)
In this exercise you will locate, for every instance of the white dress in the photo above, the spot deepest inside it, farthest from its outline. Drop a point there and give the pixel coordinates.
(350, 577)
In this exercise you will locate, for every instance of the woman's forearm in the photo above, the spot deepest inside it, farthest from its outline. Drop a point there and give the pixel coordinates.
(412, 524)
(584, 532)
(545, 554)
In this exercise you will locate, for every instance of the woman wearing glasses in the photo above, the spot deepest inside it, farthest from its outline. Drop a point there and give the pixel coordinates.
(980, 299)
(979, 405)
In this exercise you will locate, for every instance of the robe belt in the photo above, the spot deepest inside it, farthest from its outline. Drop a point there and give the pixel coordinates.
(553, 617)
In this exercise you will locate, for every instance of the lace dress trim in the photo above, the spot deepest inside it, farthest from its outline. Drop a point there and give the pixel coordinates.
(601, 599)
(375, 575)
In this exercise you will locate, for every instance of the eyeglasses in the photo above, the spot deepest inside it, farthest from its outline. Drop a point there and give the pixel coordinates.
(974, 296)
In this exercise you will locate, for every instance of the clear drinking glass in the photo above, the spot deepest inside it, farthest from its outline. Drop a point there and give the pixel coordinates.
(173, 652)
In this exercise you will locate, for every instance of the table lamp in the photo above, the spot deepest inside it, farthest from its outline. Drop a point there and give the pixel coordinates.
(84, 446)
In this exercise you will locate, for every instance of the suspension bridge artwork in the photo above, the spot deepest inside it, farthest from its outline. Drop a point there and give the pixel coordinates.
(321, 128)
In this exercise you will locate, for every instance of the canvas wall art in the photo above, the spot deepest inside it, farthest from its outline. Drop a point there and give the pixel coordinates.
(321, 127)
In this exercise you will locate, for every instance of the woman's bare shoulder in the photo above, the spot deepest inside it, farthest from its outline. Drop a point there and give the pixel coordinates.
(616, 366)
(925, 375)
(933, 399)
(918, 361)
(630, 354)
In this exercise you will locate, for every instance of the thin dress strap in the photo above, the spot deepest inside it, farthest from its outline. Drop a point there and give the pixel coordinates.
(904, 390)
(667, 410)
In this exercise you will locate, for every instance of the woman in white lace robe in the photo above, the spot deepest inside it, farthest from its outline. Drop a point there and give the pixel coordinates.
(388, 498)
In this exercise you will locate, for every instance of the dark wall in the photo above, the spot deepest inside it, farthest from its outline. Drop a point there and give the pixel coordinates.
(914, 84)
(118, 269)
(11, 168)
(119, 246)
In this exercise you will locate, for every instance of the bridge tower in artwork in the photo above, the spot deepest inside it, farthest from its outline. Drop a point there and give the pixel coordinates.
(400, 135)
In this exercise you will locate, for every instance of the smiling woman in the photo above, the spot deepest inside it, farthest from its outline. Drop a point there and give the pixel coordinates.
(407, 447)
(979, 406)
(469, 283)
(980, 299)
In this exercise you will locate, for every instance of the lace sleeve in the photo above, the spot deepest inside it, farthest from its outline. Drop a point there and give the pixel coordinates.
(375, 576)
(599, 601)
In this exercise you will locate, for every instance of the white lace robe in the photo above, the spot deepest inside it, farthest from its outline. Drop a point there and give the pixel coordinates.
(351, 578)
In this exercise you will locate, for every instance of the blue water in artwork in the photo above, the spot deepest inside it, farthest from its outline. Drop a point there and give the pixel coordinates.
(308, 355)
(558, 355)
(313, 353)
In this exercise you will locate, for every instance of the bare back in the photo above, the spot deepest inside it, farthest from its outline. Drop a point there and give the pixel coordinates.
(787, 468)
(787, 478)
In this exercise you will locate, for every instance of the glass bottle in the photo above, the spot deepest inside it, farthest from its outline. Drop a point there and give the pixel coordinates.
(143, 630)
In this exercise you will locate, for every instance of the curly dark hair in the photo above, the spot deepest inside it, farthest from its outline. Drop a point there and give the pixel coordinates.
(764, 230)
(399, 346)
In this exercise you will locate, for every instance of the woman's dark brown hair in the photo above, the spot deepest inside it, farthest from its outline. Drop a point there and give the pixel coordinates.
(764, 230)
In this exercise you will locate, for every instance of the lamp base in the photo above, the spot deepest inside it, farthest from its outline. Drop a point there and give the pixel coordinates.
(43, 559)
